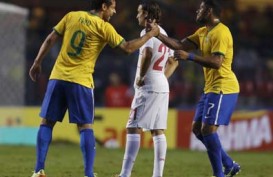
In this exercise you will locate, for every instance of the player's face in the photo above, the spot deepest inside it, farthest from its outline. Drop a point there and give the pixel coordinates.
(141, 16)
(202, 16)
(109, 11)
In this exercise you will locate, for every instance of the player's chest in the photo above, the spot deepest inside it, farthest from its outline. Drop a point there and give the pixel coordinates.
(205, 43)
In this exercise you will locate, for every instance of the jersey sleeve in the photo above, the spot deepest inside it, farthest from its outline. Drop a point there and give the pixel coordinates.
(60, 27)
(195, 38)
(219, 43)
(111, 36)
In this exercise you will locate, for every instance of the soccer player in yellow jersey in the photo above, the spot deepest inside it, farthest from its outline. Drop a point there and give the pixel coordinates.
(70, 86)
(218, 101)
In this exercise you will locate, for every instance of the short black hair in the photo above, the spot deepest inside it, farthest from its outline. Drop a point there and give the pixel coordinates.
(153, 9)
(215, 5)
(97, 4)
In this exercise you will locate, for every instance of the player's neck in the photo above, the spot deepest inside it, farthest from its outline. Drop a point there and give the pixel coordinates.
(97, 13)
(213, 23)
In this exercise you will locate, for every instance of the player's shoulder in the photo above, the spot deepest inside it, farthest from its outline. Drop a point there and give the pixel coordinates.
(74, 14)
(162, 31)
(222, 29)
(222, 25)
(202, 29)
(98, 21)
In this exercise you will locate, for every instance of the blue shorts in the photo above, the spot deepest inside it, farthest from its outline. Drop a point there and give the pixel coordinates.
(62, 95)
(215, 109)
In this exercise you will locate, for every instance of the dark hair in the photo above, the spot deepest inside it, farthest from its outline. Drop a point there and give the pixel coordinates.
(97, 4)
(153, 9)
(215, 5)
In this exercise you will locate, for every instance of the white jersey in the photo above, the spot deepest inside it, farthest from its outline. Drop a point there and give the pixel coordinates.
(154, 79)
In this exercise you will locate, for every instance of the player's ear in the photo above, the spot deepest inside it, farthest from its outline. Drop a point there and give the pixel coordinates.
(103, 7)
(146, 15)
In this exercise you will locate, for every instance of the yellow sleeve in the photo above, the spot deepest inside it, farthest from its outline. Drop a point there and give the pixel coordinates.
(195, 38)
(219, 43)
(111, 36)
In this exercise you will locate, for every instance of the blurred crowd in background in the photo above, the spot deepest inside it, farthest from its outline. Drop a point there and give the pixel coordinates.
(252, 30)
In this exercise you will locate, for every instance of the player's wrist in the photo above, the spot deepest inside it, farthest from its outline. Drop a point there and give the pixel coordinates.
(191, 56)
(141, 78)
(37, 62)
(150, 34)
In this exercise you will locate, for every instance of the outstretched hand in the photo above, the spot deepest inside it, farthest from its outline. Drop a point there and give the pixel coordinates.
(180, 55)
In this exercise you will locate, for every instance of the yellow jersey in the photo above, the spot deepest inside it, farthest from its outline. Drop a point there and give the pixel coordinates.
(217, 40)
(84, 36)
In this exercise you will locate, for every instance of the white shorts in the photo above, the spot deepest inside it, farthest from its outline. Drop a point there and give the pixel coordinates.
(149, 110)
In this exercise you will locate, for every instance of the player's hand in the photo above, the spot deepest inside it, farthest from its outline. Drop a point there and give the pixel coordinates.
(172, 60)
(140, 81)
(180, 55)
(152, 27)
(35, 71)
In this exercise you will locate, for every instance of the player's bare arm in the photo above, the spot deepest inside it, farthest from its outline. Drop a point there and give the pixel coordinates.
(36, 69)
(131, 46)
(175, 44)
(170, 42)
(214, 61)
(145, 63)
(171, 65)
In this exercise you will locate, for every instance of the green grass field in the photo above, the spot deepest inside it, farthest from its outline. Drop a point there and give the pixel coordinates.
(65, 160)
